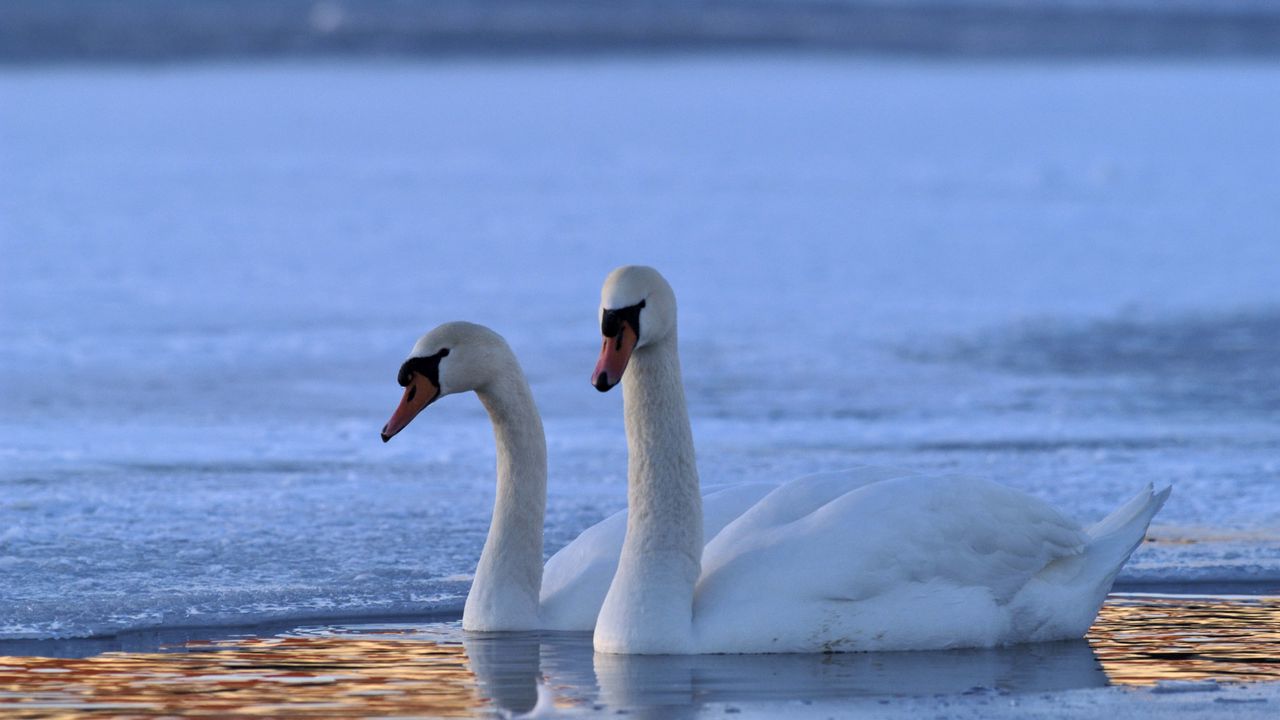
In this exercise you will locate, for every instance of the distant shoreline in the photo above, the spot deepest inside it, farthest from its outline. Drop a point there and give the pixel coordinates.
(54, 31)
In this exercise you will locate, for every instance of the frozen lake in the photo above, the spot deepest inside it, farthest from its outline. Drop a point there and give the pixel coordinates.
(1063, 276)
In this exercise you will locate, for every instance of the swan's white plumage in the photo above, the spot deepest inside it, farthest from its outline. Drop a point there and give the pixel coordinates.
(866, 559)
(896, 562)
(576, 579)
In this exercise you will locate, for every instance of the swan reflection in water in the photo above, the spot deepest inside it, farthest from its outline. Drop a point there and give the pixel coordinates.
(440, 671)
(1136, 640)
(508, 669)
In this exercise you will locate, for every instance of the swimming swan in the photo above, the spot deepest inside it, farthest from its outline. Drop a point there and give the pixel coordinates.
(865, 559)
(511, 589)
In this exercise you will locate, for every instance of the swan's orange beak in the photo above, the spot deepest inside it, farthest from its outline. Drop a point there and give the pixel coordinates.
(614, 356)
(419, 393)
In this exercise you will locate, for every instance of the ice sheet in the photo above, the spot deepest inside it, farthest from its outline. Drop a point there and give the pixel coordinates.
(1061, 276)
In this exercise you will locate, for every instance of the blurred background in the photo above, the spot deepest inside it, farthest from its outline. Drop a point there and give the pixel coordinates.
(1034, 240)
(178, 29)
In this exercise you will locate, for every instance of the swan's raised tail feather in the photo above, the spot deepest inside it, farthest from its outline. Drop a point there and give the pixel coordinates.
(1129, 523)
(1112, 540)
(1065, 597)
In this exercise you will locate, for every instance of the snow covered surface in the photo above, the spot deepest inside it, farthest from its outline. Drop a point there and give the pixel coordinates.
(1063, 277)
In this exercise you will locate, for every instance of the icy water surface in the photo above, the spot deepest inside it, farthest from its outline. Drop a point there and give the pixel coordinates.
(437, 670)
(1062, 276)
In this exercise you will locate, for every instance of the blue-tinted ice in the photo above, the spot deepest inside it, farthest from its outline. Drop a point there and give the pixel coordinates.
(1065, 277)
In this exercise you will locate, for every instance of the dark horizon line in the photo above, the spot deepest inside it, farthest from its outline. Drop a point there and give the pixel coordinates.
(60, 31)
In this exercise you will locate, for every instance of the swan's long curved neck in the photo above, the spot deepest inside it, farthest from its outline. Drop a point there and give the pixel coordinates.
(508, 579)
(649, 607)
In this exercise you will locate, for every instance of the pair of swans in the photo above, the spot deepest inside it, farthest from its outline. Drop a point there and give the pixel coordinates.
(863, 559)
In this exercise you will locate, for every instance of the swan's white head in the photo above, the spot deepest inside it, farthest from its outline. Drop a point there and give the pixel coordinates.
(637, 309)
(455, 357)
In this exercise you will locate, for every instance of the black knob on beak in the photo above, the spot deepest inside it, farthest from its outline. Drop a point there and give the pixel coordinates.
(602, 382)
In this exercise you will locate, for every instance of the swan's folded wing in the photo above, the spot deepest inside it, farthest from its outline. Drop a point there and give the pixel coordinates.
(883, 536)
(576, 578)
(792, 501)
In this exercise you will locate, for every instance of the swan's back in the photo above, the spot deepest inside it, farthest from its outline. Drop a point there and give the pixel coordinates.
(786, 504)
(901, 562)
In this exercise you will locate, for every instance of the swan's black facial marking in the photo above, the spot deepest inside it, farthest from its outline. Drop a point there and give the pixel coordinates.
(428, 367)
(611, 321)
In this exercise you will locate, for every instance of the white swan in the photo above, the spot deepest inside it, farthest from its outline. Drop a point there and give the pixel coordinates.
(867, 559)
(511, 590)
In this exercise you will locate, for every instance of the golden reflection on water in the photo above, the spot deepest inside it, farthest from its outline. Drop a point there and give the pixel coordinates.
(325, 676)
(1142, 640)
(425, 670)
